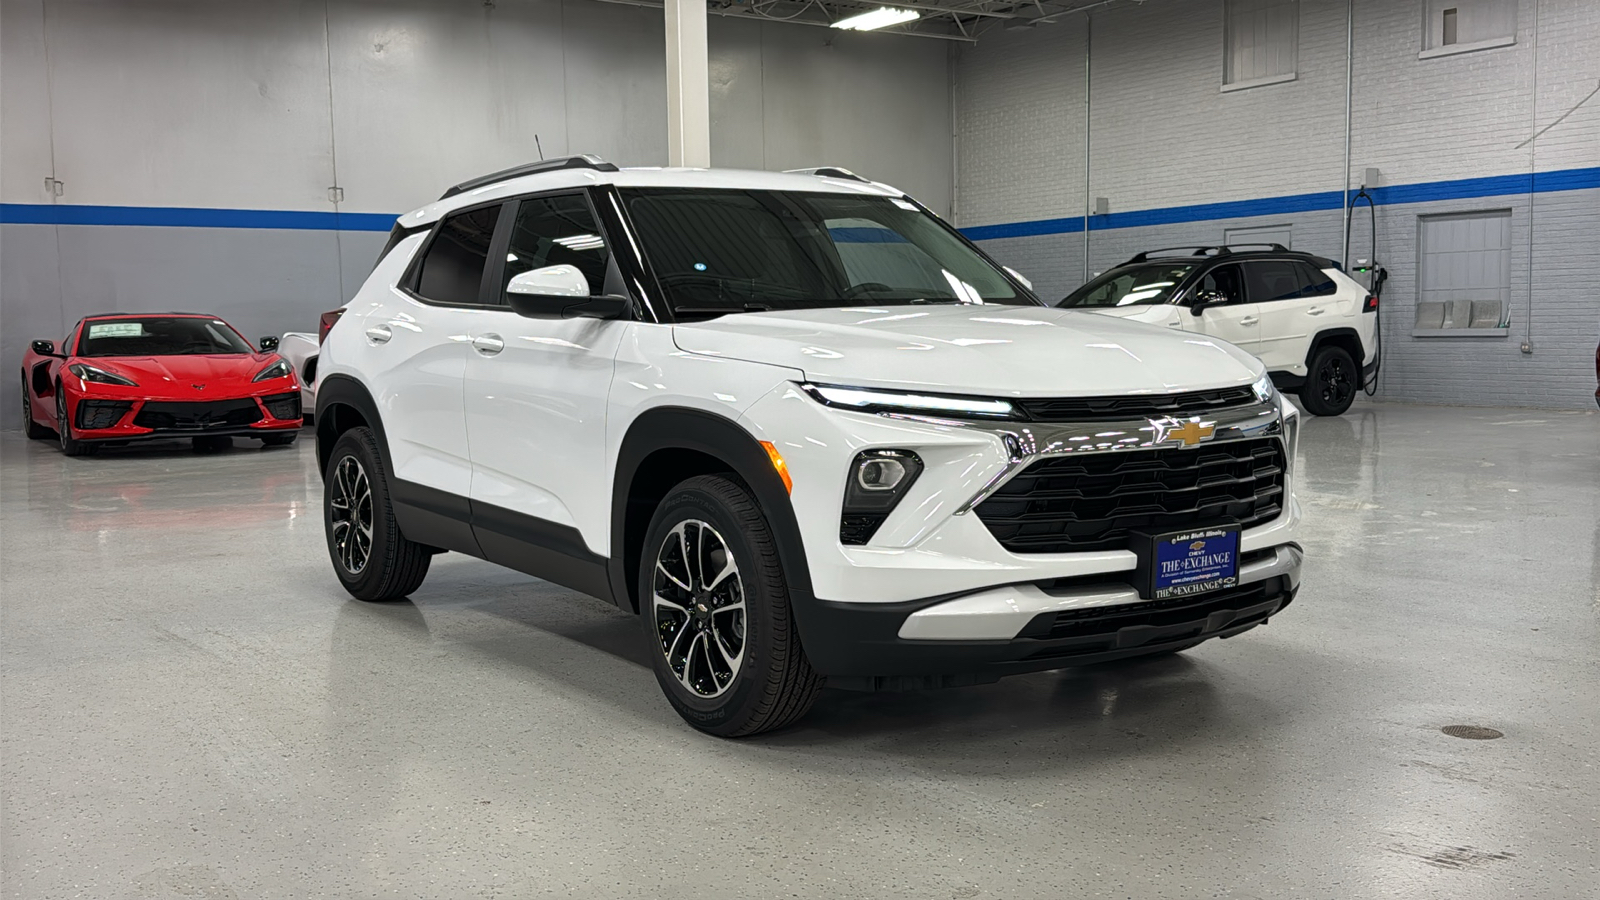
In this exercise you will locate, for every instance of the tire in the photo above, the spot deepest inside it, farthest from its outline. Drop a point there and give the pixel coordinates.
(1331, 382)
(769, 683)
(383, 565)
(211, 443)
(32, 429)
(70, 445)
(278, 440)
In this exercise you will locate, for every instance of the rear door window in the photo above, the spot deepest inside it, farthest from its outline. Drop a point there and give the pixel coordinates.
(451, 270)
(1271, 280)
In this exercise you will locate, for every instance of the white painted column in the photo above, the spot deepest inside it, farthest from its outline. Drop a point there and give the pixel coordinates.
(688, 85)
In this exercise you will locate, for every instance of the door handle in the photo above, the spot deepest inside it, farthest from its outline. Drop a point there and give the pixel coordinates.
(380, 334)
(488, 344)
(1249, 320)
(1314, 311)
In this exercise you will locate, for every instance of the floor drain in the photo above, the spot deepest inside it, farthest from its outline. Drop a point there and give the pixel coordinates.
(1472, 732)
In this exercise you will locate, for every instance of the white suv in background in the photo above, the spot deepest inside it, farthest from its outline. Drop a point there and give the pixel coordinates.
(802, 428)
(1313, 326)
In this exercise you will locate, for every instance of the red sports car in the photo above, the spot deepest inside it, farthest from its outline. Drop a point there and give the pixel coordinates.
(124, 377)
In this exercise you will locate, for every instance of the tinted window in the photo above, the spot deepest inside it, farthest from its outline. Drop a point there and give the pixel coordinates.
(1145, 285)
(553, 231)
(1222, 280)
(159, 336)
(1272, 280)
(1314, 282)
(452, 270)
(721, 251)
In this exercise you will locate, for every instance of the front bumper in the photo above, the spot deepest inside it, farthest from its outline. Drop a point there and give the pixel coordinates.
(136, 418)
(977, 638)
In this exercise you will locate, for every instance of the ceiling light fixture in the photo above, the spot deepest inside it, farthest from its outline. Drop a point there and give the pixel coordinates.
(882, 17)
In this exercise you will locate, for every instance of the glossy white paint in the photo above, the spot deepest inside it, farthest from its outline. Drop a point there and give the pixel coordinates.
(300, 347)
(550, 281)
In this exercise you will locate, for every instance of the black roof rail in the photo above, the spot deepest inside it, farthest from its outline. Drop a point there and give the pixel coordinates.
(1200, 250)
(827, 172)
(545, 165)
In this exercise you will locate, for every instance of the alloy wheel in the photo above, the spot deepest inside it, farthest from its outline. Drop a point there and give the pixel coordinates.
(1335, 382)
(697, 602)
(351, 510)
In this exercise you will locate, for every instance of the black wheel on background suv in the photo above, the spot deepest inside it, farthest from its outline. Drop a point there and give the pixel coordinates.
(70, 445)
(32, 429)
(715, 604)
(373, 560)
(1331, 383)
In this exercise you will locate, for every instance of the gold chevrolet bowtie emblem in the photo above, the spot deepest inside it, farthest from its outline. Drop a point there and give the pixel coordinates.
(1188, 433)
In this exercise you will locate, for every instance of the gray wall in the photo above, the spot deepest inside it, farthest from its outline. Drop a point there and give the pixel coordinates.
(265, 105)
(1164, 134)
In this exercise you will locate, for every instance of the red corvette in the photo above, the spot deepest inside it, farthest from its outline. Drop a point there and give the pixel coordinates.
(126, 377)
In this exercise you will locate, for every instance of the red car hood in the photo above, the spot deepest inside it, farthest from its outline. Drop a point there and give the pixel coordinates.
(189, 377)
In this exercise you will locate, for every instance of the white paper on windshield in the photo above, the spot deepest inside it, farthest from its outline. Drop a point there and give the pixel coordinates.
(116, 329)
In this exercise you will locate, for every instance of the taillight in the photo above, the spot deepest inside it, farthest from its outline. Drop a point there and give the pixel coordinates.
(1370, 306)
(326, 323)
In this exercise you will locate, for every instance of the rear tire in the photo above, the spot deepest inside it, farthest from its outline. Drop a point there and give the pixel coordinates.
(715, 608)
(32, 429)
(70, 445)
(373, 560)
(1330, 385)
(278, 440)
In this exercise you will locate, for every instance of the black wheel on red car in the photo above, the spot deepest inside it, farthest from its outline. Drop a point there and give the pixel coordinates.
(70, 445)
(373, 560)
(32, 429)
(278, 440)
(715, 606)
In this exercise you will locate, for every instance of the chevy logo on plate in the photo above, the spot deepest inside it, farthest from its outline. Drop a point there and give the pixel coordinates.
(1189, 433)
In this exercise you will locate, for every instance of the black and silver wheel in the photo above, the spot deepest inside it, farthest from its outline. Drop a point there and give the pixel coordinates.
(1331, 385)
(32, 429)
(70, 445)
(715, 604)
(373, 560)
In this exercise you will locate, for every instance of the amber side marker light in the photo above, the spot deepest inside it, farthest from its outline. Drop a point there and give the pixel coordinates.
(779, 465)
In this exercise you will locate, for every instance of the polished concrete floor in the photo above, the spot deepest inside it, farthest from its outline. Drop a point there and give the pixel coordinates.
(192, 708)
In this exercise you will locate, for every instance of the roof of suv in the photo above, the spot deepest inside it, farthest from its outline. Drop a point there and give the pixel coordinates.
(572, 172)
(1204, 254)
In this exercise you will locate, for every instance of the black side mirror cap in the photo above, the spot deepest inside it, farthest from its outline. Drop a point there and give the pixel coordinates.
(45, 348)
(269, 344)
(553, 306)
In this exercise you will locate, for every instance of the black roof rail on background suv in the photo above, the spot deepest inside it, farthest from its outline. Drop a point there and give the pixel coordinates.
(1199, 250)
(827, 172)
(585, 161)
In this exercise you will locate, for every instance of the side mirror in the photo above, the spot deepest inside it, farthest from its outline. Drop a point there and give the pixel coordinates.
(269, 344)
(1204, 299)
(44, 348)
(1019, 276)
(560, 292)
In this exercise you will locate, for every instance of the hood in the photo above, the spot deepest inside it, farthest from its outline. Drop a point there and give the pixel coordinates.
(1153, 314)
(158, 374)
(1017, 351)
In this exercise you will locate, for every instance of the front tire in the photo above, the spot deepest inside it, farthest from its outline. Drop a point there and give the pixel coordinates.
(32, 429)
(1330, 386)
(373, 560)
(70, 445)
(715, 606)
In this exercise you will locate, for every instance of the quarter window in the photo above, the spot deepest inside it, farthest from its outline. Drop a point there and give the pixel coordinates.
(452, 270)
(1314, 282)
(553, 231)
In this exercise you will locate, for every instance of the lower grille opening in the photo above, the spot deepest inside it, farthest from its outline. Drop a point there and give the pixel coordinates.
(198, 416)
(101, 413)
(1099, 629)
(857, 529)
(283, 406)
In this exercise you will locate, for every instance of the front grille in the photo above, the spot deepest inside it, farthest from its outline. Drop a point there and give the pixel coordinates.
(198, 416)
(1099, 409)
(101, 413)
(1091, 501)
(283, 406)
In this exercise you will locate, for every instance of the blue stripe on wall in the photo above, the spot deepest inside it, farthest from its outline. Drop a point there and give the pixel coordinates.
(1465, 188)
(190, 217)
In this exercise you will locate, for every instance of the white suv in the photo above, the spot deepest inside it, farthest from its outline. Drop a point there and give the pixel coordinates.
(1313, 326)
(800, 426)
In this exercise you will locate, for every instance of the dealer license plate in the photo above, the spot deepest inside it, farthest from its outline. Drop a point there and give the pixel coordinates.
(1197, 561)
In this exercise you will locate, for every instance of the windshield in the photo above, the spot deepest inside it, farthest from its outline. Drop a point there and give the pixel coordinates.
(159, 336)
(1145, 285)
(722, 251)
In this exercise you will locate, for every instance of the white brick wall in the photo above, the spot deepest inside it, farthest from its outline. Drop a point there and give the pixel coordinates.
(1165, 135)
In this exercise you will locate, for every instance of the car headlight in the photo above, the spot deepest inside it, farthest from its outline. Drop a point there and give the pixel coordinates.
(882, 401)
(277, 370)
(878, 479)
(99, 376)
(1264, 389)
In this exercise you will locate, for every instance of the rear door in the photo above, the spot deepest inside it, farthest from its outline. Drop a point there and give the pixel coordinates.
(1227, 315)
(1296, 301)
